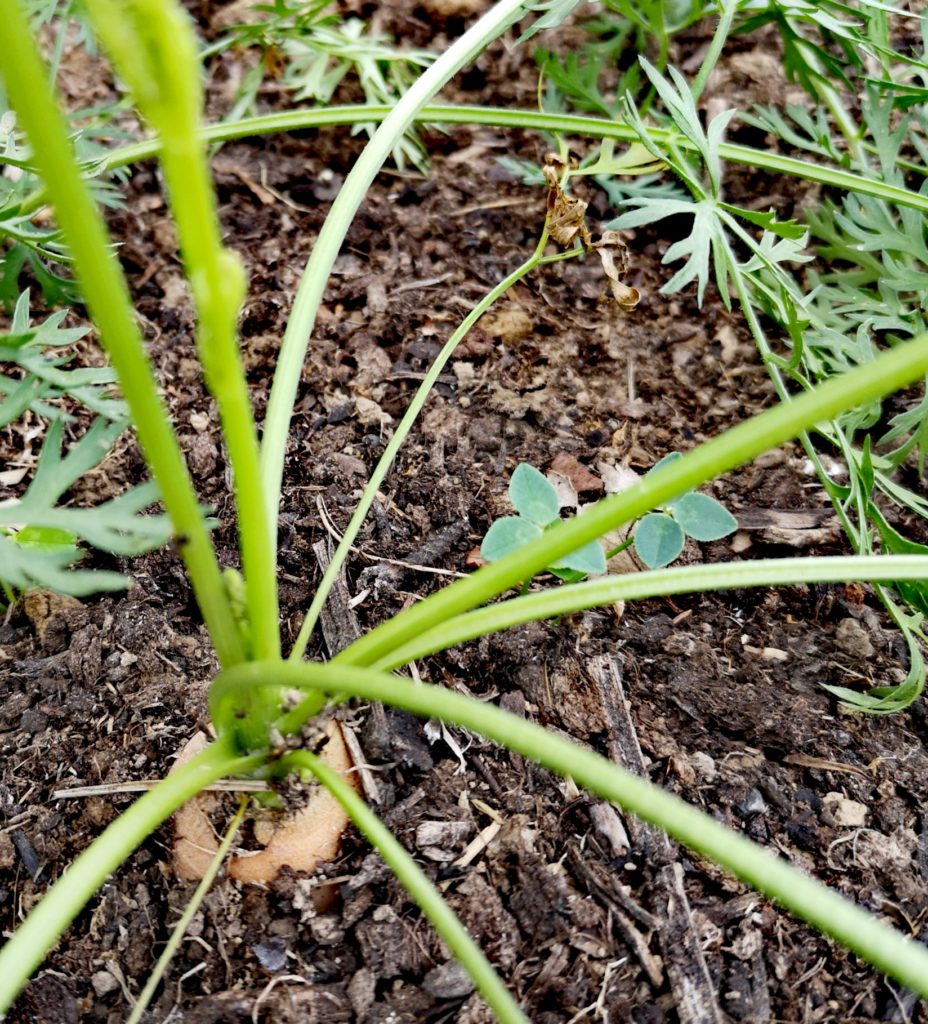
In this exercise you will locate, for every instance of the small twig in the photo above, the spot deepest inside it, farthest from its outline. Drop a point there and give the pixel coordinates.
(117, 788)
(340, 628)
(495, 204)
(415, 286)
(336, 536)
(684, 961)
(269, 988)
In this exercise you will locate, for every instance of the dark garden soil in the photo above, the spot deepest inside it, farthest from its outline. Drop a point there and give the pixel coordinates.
(586, 915)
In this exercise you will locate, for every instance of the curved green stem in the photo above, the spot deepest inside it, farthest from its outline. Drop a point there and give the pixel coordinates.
(309, 294)
(688, 579)
(218, 287)
(399, 436)
(831, 98)
(418, 885)
(719, 38)
(902, 695)
(528, 120)
(107, 296)
(71, 893)
(193, 905)
(882, 946)
(889, 371)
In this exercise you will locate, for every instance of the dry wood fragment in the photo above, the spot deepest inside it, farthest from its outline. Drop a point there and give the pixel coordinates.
(686, 967)
(340, 629)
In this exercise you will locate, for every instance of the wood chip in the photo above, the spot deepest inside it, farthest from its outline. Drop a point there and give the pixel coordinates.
(683, 959)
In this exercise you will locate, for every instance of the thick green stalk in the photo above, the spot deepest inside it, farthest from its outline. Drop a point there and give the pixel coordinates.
(417, 884)
(528, 120)
(106, 295)
(687, 579)
(315, 276)
(151, 43)
(73, 890)
(901, 958)
(889, 371)
(400, 434)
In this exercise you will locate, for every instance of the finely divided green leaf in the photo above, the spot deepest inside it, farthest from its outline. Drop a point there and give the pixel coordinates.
(24, 567)
(555, 11)
(768, 221)
(54, 474)
(41, 353)
(46, 538)
(38, 539)
(648, 210)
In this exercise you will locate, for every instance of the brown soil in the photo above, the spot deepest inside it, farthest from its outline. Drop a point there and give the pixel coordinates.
(577, 910)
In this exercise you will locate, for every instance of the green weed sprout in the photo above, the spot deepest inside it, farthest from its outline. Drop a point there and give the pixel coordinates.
(251, 700)
(536, 501)
(658, 537)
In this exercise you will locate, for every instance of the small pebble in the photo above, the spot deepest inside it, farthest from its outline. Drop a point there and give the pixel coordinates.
(448, 981)
(271, 954)
(103, 983)
(752, 804)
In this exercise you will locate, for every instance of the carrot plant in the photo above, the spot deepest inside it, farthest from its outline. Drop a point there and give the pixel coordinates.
(257, 718)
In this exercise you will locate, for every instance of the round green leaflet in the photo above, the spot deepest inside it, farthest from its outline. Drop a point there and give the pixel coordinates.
(702, 517)
(533, 496)
(658, 540)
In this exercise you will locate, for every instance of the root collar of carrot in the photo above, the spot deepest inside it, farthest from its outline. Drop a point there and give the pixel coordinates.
(299, 840)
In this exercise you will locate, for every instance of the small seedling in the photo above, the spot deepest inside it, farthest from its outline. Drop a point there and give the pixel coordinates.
(536, 501)
(660, 536)
(658, 539)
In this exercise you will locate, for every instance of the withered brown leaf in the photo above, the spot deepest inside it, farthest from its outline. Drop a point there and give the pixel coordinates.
(611, 250)
(566, 221)
(565, 213)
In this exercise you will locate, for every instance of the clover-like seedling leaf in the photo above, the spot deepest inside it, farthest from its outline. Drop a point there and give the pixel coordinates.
(588, 560)
(507, 535)
(658, 540)
(665, 461)
(533, 496)
(702, 517)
